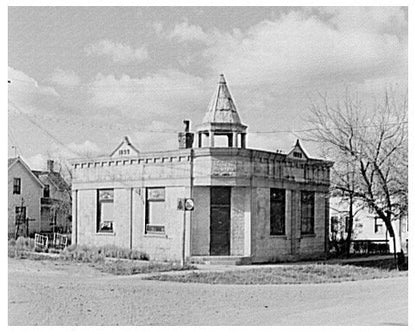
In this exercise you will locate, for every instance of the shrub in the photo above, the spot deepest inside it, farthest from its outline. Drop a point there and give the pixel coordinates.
(97, 254)
(25, 243)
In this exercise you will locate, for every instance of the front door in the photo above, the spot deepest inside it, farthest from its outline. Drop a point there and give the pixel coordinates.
(220, 221)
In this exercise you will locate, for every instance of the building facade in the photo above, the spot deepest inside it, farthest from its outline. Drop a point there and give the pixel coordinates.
(248, 204)
(38, 201)
(367, 226)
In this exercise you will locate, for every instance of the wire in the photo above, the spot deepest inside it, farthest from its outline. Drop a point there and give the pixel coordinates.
(43, 129)
(84, 123)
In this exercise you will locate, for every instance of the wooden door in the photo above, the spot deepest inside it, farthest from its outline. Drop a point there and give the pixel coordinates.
(220, 221)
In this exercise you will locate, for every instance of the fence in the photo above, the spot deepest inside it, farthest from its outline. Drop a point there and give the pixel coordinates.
(52, 240)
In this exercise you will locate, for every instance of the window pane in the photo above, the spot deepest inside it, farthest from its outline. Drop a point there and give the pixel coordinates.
(277, 211)
(157, 213)
(307, 212)
(105, 211)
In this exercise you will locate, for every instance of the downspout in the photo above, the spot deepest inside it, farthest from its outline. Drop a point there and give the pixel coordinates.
(131, 218)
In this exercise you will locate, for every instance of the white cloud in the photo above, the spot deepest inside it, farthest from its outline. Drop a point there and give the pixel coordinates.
(117, 51)
(167, 93)
(158, 135)
(85, 149)
(157, 27)
(22, 81)
(65, 78)
(379, 20)
(184, 32)
(299, 49)
(37, 162)
(27, 93)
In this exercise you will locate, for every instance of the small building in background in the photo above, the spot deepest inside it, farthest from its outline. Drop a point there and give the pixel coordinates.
(38, 201)
(369, 230)
(249, 205)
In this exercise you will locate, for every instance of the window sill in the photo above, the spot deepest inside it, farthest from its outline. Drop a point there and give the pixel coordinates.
(284, 237)
(105, 233)
(160, 235)
(308, 235)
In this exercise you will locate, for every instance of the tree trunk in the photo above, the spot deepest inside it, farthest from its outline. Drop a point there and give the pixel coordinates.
(390, 229)
(349, 227)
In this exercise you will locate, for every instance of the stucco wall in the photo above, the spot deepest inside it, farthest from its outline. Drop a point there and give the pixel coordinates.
(314, 245)
(269, 247)
(129, 213)
(292, 245)
(200, 232)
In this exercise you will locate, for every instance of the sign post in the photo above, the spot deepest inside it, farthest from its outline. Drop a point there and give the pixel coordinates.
(185, 204)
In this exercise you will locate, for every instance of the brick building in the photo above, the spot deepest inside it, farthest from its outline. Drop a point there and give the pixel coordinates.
(250, 205)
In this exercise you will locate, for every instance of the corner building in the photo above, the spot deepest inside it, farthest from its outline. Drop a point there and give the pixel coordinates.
(250, 205)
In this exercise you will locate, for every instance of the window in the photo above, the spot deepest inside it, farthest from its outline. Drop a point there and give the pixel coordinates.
(334, 224)
(17, 184)
(46, 191)
(378, 225)
(307, 212)
(277, 211)
(105, 210)
(155, 210)
(20, 214)
(297, 154)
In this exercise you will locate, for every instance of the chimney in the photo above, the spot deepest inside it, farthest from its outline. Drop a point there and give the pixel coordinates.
(186, 138)
(50, 165)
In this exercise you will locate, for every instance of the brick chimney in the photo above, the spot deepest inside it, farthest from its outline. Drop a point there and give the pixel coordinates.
(50, 165)
(186, 138)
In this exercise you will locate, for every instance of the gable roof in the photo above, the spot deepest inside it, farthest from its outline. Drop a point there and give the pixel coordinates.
(126, 141)
(296, 148)
(54, 177)
(13, 161)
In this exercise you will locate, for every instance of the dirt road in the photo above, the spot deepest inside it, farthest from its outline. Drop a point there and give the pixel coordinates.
(55, 293)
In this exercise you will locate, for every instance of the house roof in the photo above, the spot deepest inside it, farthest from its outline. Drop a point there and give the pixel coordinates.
(13, 161)
(54, 177)
(222, 108)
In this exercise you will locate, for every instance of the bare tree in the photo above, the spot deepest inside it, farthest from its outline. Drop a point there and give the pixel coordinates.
(370, 149)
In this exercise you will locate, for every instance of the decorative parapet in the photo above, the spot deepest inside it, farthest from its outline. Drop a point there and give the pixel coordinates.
(207, 162)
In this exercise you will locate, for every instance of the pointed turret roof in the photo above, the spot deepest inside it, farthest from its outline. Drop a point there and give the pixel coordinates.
(222, 109)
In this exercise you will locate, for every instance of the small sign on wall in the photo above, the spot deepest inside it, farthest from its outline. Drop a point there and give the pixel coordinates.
(156, 194)
(186, 204)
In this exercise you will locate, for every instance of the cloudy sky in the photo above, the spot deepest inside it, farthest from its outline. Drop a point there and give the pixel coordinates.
(84, 77)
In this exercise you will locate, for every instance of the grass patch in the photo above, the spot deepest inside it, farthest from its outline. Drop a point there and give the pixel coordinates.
(290, 274)
(125, 267)
(109, 259)
(98, 254)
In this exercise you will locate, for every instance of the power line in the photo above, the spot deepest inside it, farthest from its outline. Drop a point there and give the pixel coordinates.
(43, 129)
(84, 123)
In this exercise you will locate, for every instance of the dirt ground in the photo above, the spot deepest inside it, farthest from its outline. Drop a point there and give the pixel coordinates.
(59, 293)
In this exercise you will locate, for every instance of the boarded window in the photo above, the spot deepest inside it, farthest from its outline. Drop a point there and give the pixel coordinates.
(17, 184)
(105, 210)
(20, 214)
(155, 218)
(277, 211)
(307, 212)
